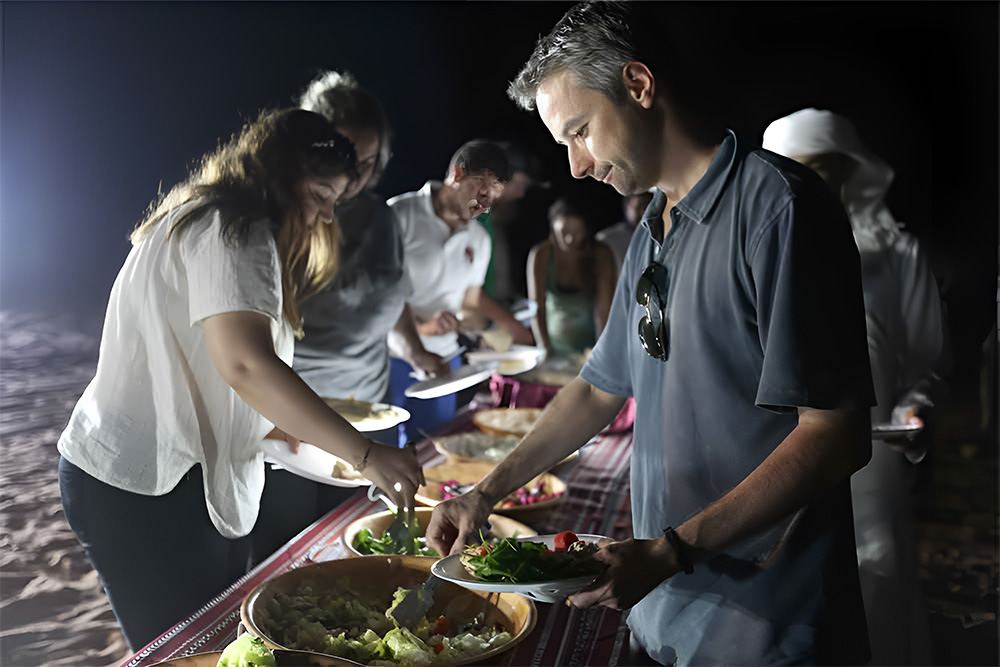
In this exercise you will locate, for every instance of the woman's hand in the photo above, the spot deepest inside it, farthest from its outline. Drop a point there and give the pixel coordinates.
(391, 467)
(634, 568)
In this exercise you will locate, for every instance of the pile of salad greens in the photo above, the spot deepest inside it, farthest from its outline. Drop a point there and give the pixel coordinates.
(515, 562)
(366, 542)
(338, 622)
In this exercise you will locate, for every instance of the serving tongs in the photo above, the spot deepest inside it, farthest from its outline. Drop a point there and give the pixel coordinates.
(403, 529)
(415, 604)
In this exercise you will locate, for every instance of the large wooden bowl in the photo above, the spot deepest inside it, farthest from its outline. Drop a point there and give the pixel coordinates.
(470, 472)
(501, 527)
(378, 577)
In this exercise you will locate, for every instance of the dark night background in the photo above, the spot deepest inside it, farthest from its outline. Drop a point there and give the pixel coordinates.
(104, 101)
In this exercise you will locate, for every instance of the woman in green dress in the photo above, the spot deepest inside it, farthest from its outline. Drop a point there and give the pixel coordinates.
(572, 278)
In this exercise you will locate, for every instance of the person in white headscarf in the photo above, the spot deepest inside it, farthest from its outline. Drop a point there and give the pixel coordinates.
(907, 347)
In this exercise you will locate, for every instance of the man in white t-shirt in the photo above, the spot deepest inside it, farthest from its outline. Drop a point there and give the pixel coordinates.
(446, 254)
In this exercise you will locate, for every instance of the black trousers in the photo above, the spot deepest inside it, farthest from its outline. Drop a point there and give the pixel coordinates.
(160, 558)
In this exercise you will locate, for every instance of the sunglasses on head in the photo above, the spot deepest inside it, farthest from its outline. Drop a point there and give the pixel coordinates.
(654, 327)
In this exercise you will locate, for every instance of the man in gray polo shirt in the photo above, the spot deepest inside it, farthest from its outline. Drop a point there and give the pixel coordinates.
(738, 326)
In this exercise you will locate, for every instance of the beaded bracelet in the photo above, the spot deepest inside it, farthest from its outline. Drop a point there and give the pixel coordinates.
(680, 549)
(364, 462)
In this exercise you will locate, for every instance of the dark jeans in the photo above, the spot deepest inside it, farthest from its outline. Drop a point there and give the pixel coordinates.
(289, 505)
(160, 558)
(426, 414)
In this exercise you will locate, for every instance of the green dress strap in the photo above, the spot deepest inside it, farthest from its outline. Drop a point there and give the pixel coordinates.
(569, 314)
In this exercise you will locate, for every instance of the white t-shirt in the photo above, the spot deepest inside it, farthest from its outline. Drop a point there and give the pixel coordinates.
(157, 406)
(440, 264)
(617, 237)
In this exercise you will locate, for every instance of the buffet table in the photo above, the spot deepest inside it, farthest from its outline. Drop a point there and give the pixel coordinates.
(596, 502)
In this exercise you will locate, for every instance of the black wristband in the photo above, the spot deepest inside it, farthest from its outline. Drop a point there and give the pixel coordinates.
(680, 550)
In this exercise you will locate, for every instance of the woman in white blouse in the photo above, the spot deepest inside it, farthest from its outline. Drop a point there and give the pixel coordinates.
(160, 470)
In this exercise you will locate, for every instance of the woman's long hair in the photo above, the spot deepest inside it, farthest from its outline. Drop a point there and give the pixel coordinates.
(254, 176)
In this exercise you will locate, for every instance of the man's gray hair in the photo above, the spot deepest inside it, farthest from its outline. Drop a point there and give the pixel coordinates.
(593, 41)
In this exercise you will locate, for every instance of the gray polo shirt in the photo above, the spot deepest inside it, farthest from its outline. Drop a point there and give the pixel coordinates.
(766, 314)
(345, 351)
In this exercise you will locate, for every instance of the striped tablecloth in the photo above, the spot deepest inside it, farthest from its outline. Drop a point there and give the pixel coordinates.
(597, 502)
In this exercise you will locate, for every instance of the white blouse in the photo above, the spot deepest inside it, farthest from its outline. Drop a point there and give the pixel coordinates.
(157, 406)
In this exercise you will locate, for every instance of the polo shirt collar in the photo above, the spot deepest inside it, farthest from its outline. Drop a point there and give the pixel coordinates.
(699, 202)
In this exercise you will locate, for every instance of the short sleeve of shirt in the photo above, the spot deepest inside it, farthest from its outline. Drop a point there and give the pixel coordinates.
(810, 318)
(226, 276)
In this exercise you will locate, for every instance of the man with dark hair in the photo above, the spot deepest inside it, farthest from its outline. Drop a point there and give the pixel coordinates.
(446, 252)
(749, 368)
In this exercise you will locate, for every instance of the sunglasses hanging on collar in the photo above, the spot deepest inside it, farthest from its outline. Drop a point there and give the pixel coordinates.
(654, 327)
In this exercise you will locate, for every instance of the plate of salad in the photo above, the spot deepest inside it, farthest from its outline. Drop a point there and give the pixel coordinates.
(367, 535)
(545, 568)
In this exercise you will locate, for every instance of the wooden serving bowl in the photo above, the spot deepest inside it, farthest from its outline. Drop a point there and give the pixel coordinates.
(501, 527)
(375, 579)
(506, 421)
(470, 472)
(476, 445)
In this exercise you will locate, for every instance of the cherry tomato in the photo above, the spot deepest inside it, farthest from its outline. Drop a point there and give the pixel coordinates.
(441, 626)
(439, 647)
(564, 539)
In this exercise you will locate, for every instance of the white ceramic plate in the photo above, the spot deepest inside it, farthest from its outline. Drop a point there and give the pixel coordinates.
(518, 359)
(451, 569)
(311, 462)
(895, 430)
(381, 415)
(459, 379)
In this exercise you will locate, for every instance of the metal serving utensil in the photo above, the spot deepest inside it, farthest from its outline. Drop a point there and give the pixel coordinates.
(418, 601)
(400, 528)
(403, 529)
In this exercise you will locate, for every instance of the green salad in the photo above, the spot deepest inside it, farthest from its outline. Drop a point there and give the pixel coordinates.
(515, 562)
(351, 623)
(367, 543)
(247, 651)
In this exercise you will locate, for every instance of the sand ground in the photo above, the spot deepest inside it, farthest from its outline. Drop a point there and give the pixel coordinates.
(53, 610)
